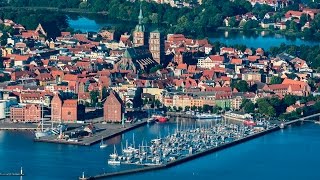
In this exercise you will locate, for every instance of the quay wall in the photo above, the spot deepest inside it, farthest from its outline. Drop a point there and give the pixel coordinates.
(117, 133)
(188, 158)
(95, 139)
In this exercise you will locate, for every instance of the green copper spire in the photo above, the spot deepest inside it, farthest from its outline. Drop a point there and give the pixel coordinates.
(140, 17)
(140, 27)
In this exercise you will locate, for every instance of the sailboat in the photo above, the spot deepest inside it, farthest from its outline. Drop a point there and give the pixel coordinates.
(114, 156)
(41, 132)
(102, 144)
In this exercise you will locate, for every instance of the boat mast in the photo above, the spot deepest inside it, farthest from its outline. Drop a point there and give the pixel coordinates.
(41, 113)
(133, 141)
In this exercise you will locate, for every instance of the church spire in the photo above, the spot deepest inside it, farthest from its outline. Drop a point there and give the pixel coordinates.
(140, 17)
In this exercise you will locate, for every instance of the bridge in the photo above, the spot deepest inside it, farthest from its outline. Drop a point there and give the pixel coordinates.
(306, 118)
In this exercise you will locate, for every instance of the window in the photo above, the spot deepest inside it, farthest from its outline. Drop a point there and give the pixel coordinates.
(69, 113)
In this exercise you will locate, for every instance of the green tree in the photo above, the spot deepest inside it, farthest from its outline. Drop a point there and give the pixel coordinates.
(294, 26)
(249, 107)
(1, 61)
(157, 103)
(303, 19)
(271, 111)
(104, 92)
(263, 106)
(207, 108)
(180, 108)
(187, 108)
(289, 100)
(94, 96)
(232, 22)
(244, 102)
(275, 80)
(174, 108)
(242, 86)
(193, 108)
(154, 17)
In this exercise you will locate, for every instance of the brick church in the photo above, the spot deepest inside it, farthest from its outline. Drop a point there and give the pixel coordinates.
(147, 50)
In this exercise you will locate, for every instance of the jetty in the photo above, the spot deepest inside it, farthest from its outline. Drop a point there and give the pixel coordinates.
(13, 174)
(17, 126)
(106, 131)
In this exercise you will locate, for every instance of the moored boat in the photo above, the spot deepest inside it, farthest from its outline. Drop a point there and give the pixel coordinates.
(151, 120)
(102, 144)
(205, 116)
(160, 118)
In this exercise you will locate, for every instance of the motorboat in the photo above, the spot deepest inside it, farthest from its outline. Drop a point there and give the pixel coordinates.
(102, 144)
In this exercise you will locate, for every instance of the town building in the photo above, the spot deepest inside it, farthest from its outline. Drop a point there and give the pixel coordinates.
(26, 113)
(67, 110)
(113, 108)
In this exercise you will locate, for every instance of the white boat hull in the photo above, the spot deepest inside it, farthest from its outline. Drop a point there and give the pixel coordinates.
(113, 162)
(40, 134)
(103, 146)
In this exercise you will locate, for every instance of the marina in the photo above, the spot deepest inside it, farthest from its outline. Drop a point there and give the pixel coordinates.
(182, 143)
(182, 146)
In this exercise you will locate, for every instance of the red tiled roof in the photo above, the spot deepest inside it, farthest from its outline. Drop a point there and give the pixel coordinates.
(236, 61)
(217, 58)
(70, 77)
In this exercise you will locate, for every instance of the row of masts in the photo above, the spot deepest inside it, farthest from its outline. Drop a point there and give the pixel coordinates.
(180, 144)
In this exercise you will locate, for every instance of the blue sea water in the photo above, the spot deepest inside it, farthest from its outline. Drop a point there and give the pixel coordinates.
(292, 153)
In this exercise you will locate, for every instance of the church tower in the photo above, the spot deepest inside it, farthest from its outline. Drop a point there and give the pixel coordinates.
(156, 46)
(139, 32)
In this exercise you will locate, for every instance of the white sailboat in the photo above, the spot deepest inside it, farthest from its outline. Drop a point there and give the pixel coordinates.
(42, 132)
(114, 155)
(102, 144)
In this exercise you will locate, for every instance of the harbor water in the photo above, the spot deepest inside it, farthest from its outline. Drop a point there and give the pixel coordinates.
(291, 153)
